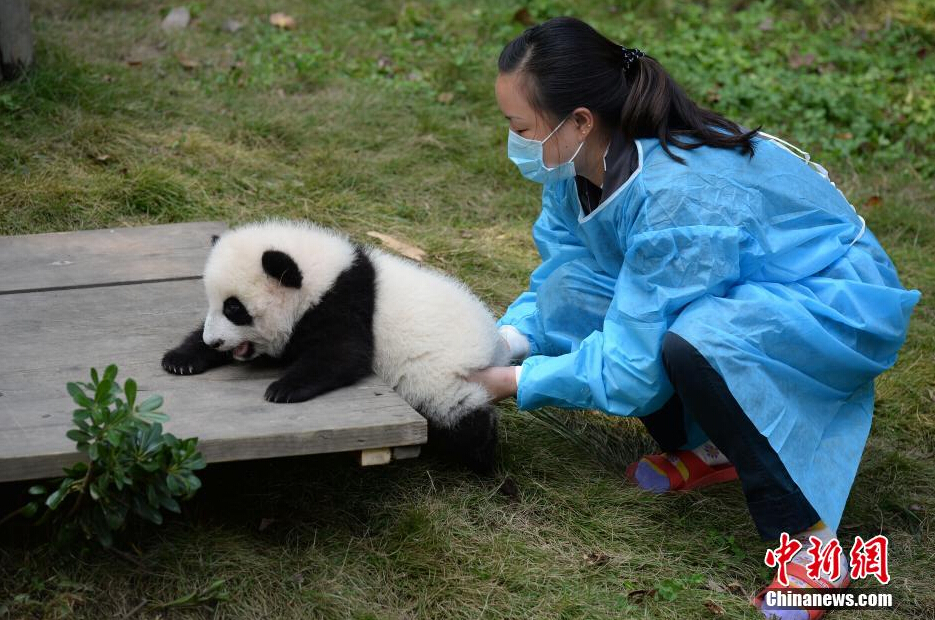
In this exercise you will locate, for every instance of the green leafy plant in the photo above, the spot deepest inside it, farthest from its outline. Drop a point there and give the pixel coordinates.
(133, 467)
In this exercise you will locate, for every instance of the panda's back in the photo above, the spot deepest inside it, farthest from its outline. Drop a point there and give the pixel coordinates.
(428, 322)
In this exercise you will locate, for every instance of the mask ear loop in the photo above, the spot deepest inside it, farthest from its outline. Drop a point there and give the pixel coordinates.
(578, 150)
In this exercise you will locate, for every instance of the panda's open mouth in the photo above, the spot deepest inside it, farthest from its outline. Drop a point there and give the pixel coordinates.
(243, 351)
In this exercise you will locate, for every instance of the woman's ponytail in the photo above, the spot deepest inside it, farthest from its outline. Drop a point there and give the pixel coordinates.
(656, 106)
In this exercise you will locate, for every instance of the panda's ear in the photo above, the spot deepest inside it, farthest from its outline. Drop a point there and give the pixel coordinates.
(281, 267)
(214, 240)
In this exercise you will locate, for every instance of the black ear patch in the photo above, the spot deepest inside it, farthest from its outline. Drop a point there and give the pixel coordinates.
(214, 240)
(280, 266)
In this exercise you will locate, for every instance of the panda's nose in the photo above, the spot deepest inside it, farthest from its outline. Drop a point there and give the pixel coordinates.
(216, 344)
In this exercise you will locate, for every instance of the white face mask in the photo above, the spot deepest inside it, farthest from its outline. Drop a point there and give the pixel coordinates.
(527, 155)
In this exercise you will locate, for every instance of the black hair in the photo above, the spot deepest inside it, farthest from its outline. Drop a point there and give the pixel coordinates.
(567, 64)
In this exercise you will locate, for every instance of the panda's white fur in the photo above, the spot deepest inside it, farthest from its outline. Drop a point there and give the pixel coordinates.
(430, 331)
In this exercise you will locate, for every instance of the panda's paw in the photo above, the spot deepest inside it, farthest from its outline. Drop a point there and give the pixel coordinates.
(284, 391)
(182, 362)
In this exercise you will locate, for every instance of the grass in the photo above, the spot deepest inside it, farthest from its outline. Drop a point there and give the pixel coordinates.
(381, 116)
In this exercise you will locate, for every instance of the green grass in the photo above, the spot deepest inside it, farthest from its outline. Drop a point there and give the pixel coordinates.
(312, 123)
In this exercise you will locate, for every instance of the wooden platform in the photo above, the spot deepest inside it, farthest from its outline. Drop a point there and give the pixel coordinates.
(70, 301)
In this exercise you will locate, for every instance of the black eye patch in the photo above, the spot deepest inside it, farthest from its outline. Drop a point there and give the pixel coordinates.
(236, 313)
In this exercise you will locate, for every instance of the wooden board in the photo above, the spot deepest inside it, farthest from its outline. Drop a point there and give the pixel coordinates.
(56, 334)
(105, 257)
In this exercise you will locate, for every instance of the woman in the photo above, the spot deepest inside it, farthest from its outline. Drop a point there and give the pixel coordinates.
(699, 276)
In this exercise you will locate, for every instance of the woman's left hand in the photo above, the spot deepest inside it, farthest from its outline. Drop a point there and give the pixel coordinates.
(499, 381)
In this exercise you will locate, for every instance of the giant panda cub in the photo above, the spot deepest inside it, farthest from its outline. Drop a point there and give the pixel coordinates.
(333, 312)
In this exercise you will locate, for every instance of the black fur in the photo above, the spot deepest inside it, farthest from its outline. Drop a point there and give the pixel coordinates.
(193, 356)
(236, 313)
(471, 442)
(332, 344)
(280, 266)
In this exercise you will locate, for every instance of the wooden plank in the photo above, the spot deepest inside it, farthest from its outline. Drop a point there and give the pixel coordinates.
(16, 40)
(97, 257)
(53, 337)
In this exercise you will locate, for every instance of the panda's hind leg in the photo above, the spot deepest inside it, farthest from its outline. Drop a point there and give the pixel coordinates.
(472, 441)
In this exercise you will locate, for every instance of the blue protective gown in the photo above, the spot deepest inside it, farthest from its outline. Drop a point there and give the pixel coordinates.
(761, 264)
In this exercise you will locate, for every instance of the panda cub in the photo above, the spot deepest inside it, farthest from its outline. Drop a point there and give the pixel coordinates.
(333, 312)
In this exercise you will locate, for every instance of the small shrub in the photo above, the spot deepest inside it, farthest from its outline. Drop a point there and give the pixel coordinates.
(133, 466)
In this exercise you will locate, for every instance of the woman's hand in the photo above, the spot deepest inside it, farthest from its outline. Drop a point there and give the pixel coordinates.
(499, 381)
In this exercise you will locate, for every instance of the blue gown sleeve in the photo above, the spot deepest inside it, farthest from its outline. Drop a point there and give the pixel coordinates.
(619, 369)
(557, 244)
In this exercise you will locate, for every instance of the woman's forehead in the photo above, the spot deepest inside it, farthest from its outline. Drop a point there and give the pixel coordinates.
(512, 99)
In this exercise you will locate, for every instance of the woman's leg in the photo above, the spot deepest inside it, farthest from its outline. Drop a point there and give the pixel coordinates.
(775, 501)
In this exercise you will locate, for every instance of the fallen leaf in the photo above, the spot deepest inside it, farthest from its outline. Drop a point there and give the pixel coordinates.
(177, 19)
(107, 79)
(639, 595)
(921, 53)
(524, 17)
(796, 60)
(844, 136)
(231, 26)
(766, 25)
(467, 234)
(430, 140)
(874, 201)
(714, 608)
(445, 98)
(101, 159)
(596, 558)
(384, 62)
(715, 586)
(140, 54)
(187, 63)
(409, 251)
(916, 507)
(282, 21)
(735, 588)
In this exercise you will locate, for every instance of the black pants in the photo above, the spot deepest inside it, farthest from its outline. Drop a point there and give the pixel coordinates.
(776, 503)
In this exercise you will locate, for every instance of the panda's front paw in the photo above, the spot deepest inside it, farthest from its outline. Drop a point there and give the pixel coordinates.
(284, 391)
(181, 361)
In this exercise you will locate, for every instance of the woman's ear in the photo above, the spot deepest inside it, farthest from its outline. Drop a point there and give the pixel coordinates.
(584, 121)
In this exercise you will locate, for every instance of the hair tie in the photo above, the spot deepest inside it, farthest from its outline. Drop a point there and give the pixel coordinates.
(629, 56)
